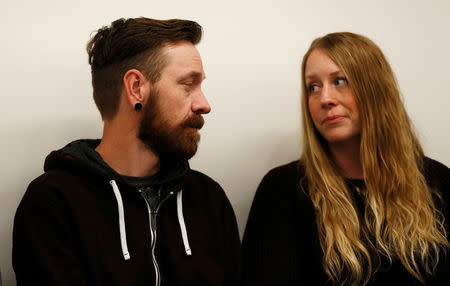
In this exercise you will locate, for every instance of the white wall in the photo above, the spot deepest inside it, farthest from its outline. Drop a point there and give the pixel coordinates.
(251, 52)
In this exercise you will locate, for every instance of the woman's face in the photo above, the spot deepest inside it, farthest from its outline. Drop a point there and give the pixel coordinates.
(331, 102)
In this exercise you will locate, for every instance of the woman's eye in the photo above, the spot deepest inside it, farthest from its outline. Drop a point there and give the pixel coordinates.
(313, 88)
(341, 81)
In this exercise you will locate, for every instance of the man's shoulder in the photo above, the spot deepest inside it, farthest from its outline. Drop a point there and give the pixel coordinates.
(47, 180)
(197, 177)
(54, 183)
(55, 177)
(45, 194)
(202, 187)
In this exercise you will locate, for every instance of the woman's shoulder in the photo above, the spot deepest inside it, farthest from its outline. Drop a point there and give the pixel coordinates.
(292, 171)
(284, 179)
(434, 165)
(436, 174)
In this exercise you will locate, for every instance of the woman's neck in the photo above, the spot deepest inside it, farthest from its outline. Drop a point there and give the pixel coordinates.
(346, 156)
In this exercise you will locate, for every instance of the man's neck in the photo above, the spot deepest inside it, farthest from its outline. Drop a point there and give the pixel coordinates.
(347, 158)
(126, 154)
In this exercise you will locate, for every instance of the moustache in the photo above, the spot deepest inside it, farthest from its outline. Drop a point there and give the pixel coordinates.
(195, 121)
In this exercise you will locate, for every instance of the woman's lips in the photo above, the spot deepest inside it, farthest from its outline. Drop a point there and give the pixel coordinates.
(333, 119)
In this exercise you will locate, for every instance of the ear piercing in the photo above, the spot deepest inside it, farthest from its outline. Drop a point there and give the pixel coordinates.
(138, 106)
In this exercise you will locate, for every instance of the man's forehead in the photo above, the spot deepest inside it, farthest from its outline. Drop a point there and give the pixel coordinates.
(183, 58)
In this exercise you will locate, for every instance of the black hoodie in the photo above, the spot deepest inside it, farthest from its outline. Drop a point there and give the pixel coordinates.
(81, 223)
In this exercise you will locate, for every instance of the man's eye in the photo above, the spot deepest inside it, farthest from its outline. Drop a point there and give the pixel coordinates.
(341, 81)
(188, 85)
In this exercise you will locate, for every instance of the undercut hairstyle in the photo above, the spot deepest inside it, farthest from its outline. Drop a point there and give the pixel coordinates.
(136, 43)
(400, 219)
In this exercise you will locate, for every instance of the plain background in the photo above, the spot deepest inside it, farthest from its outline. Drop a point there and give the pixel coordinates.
(251, 53)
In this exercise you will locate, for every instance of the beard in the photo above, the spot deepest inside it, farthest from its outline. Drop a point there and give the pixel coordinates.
(177, 142)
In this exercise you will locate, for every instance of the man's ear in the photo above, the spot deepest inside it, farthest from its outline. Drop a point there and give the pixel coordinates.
(136, 87)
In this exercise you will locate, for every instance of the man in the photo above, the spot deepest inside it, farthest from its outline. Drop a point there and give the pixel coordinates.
(127, 209)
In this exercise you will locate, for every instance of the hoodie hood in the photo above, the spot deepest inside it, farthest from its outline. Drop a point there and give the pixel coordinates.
(80, 156)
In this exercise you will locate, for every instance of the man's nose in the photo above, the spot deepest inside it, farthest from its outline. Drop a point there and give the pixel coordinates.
(200, 104)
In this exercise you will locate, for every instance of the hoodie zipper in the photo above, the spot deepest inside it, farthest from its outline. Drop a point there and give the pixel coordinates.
(152, 224)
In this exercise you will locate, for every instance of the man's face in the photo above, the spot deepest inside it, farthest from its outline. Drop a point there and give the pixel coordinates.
(172, 114)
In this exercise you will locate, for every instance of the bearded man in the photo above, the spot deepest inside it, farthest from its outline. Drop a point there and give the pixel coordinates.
(127, 209)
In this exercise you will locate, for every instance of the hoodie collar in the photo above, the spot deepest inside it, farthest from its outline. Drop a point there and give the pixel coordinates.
(80, 155)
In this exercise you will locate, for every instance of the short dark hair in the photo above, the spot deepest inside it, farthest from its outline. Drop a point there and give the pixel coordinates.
(134, 43)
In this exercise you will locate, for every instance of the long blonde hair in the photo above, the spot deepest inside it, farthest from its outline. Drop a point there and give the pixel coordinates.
(400, 219)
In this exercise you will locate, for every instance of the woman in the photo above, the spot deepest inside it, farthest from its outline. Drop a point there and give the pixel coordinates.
(363, 205)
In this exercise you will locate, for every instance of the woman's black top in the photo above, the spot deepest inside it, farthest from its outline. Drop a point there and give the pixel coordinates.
(281, 244)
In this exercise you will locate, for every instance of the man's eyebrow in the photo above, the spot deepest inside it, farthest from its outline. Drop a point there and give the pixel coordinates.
(193, 74)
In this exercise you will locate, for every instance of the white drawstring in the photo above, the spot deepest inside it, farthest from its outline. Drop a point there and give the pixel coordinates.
(182, 224)
(123, 235)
